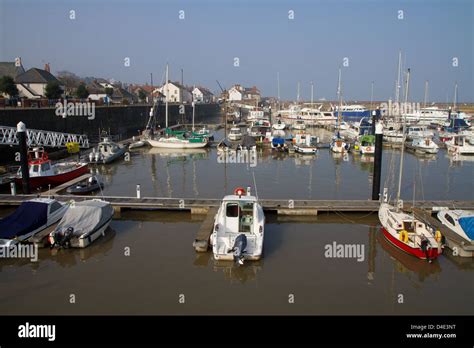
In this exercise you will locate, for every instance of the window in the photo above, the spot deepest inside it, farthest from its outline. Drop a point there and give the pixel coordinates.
(232, 210)
(45, 166)
(35, 168)
(55, 206)
(449, 218)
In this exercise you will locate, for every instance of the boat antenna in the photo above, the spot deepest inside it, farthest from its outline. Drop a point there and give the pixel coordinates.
(255, 184)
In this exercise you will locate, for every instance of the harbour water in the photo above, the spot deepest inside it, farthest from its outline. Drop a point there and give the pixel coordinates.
(146, 263)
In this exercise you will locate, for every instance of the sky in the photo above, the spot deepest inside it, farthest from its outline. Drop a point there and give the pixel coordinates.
(310, 47)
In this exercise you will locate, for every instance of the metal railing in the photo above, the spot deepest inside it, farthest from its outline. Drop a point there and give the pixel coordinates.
(44, 138)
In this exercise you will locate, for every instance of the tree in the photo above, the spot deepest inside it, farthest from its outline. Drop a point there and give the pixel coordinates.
(142, 95)
(53, 90)
(7, 86)
(82, 92)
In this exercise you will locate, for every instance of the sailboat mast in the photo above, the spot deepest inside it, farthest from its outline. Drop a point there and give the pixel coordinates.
(399, 72)
(312, 89)
(167, 97)
(278, 87)
(403, 143)
(455, 101)
(339, 95)
(298, 94)
(194, 107)
(426, 94)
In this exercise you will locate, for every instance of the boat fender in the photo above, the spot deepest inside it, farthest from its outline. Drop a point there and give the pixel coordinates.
(438, 236)
(404, 236)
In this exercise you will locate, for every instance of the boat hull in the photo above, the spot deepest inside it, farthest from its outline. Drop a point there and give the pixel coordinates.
(176, 145)
(433, 253)
(54, 180)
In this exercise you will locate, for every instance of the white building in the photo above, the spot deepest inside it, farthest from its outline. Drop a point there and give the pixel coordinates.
(174, 92)
(202, 95)
(236, 93)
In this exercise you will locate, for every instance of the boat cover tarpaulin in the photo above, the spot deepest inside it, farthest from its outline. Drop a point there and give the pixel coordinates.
(467, 224)
(28, 217)
(85, 217)
(278, 141)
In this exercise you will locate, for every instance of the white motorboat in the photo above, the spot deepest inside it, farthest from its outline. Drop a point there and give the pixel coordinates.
(238, 228)
(82, 224)
(299, 125)
(30, 218)
(423, 145)
(418, 132)
(460, 145)
(279, 125)
(393, 136)
(427, 116)
(461, 222)
(305, 143)
(235, 134)
(366, 144)
(106, 152)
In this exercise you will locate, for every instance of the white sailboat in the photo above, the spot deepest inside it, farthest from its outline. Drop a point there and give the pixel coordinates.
(177, 139)
(338, 145)
(404, 231)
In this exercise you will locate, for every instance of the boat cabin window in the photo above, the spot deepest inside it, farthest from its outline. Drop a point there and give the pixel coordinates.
(55, 206)
(232, 210)
(409, 226)
(35, 168)
(45, 167)
(449, 218)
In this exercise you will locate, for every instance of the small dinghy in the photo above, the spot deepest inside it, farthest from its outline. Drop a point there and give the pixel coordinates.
(238, 228)
(136, 143)
(82, 224)
(91, 185)
(280, 125)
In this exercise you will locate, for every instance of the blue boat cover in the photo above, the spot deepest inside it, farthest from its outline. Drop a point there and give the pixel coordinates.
(467, 224)
(278, 141)
(28, 217)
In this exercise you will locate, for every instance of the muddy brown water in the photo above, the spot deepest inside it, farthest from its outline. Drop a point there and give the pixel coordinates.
(295, 275)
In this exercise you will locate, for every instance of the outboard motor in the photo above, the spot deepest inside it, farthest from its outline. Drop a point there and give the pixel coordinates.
(239, 247)
(62, 238)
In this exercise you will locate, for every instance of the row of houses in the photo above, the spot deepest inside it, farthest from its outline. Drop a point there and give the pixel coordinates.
(31, 84)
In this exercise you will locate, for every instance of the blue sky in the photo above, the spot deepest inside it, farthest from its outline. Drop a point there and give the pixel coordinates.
(310, 47)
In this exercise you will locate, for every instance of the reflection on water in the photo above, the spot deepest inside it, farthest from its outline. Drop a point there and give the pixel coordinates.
(163, 264)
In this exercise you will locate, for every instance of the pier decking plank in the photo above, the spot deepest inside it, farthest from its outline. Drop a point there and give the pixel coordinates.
(201, 243)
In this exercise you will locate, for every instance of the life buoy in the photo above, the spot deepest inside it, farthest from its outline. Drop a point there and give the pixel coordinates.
(369, 148)
(404, 236)
(438, 236)
(239, 191)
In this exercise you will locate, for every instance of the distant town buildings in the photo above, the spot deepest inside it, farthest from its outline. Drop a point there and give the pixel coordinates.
(202, 95)
(174, 92)
(239, 93)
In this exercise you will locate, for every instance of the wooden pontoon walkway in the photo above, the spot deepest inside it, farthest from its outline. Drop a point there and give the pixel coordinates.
(281, 206)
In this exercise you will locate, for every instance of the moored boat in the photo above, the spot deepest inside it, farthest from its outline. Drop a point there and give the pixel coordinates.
(30, 218)
(43, 172)
(238, 228)
(106, 152)
(423, 145)
(82, 224)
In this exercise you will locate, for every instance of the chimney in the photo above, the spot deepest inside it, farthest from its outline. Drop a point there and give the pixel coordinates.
(46, 67)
